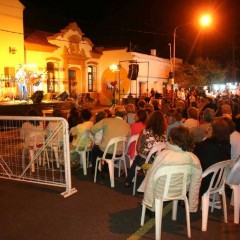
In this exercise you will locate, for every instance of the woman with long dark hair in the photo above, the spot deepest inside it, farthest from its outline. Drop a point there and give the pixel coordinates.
(154, 133)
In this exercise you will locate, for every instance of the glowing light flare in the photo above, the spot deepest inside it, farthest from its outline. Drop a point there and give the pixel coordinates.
(114, 68)
(205, 20)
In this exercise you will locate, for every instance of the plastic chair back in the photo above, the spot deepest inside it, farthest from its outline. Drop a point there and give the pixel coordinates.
(166, 177)
(170, 184)
(154, 149)
(216, 186)
(132, 139)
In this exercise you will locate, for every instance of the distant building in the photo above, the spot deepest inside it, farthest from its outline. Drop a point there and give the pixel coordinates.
(72, 62)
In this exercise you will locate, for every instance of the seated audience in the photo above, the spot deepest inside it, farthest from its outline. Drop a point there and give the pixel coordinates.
(174, 118)
(97, 138)
(32, 131)
(77, 131)
(112, 127)
(108, 112)
(215, 148)
(154, 133)
(136, 128)
(177, 152)
(234, 139)
(201, 131)
(141, 104)
(74, 119)
(192, 118)
(130, 113)
(53, 126)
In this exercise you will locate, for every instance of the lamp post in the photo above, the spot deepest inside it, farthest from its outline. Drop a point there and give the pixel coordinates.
(204, 21)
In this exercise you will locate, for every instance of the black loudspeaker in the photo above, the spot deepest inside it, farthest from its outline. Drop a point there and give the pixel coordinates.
(37, 97)
(133, 71)
(62, 97)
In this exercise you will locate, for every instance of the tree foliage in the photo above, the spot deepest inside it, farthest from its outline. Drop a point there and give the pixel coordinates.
(203, 72)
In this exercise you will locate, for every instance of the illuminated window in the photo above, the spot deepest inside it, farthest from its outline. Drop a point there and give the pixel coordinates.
(92, 73)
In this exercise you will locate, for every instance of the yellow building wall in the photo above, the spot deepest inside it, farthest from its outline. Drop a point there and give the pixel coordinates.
(11, 35)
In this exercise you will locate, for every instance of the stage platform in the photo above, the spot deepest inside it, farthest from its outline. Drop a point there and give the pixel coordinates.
(20, 108)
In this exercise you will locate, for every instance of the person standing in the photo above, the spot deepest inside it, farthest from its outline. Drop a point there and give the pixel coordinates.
(21, 77)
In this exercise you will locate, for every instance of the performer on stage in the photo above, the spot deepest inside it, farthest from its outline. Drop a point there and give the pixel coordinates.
(21, 77)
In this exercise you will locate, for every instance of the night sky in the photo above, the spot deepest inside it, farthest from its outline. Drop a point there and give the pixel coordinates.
(145, 24)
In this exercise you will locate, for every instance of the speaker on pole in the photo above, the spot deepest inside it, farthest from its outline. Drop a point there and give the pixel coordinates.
(133, 71)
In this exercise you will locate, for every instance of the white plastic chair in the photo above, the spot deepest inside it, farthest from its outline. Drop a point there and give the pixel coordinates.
(165, 189)
(156, 148)
(233, 180)
(113, 143)
(132, 139)
(216, 186)
(36, 150)
(84, 153)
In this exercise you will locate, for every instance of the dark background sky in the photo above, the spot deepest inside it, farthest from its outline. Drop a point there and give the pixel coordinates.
(145, 24)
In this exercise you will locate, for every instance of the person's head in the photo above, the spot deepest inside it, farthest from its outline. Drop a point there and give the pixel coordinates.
(140, 116)
(155, 121)
(208, 115)
(164, 101)
(86, 114)
(120, 112)
(192, 112)
(220, 130)
(193, 104)
(220, 102)
(57, 112)
(209, 100)
(182, 137)
(173, 115)
(34, 113)
(99, 116)
(141, 104)
(231, 124)
(108, 112)
(149, 106)
(155, 103)
(226, 109)
(74, 112)
(181, 104)
(130, 108)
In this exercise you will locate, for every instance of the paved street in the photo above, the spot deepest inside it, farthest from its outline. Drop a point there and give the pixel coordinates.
(96, 211)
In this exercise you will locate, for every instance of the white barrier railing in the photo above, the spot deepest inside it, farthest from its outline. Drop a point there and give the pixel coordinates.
(32, 151)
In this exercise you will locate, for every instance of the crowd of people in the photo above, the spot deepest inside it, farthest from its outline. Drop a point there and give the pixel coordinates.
(198, 133)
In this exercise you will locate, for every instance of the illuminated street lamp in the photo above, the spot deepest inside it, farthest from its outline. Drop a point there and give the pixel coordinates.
(205, 21)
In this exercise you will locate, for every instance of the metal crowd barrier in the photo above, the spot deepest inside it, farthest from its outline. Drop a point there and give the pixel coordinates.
(47, 163)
